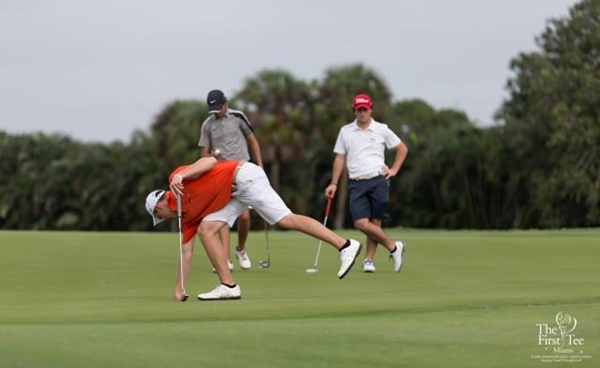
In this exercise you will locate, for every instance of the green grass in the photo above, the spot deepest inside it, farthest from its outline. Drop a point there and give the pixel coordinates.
(463, 299)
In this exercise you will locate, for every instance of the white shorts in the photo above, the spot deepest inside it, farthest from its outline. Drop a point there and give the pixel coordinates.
(252, 189)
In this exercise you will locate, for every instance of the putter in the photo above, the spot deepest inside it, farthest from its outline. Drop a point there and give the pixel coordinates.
(267, 263)
(185, 295)
(315, 269)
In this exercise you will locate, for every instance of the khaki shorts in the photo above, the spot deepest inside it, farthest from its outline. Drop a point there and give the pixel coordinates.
(252, 188)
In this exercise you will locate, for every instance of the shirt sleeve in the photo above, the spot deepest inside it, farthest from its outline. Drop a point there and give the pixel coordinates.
(391, 138)
(244, 123)
(204, 140)
(340, 147)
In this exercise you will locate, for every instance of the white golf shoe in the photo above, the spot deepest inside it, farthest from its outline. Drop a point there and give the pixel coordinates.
(396, 256)
(368, 266)
(348, 257)
(222, 292)
(243, 259)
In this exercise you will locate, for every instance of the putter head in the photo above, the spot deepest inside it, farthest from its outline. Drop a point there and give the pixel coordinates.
(184, 297)
(312, 270)
(264, 264)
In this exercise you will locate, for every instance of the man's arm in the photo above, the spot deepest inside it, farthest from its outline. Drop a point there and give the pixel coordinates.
(255, 147)
(401, 152)
(202, 165)
(186, 265)
(205, 151)
(338, 167)
(205, 139)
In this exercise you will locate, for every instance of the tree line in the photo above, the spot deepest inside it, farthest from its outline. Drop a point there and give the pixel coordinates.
(538, 167)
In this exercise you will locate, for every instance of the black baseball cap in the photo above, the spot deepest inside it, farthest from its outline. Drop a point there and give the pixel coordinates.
(215, 100)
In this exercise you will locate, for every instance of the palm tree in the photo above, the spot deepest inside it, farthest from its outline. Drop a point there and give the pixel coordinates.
(277, 103)
(175, 133)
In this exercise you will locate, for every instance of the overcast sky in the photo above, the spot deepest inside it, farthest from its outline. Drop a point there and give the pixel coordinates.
(98, 70)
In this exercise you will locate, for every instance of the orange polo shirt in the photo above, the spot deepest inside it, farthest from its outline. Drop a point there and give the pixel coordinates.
(202, 195)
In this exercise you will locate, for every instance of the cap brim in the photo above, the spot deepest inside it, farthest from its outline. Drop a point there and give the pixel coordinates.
(362, 105)
(215, 108)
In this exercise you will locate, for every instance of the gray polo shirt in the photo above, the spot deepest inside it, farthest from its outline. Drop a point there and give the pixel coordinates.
(227, 134)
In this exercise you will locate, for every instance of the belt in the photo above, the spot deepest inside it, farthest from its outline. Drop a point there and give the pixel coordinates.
(235, 174)
(367, 176)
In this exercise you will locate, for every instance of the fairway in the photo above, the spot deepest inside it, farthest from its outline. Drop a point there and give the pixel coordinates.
(463, 299)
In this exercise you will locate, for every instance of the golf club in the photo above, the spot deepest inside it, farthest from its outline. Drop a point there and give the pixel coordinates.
(185, 295)
(315, 269)
(267, 263)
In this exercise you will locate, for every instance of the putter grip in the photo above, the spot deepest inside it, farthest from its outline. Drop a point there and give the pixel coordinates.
(328, 207)
(178, 205)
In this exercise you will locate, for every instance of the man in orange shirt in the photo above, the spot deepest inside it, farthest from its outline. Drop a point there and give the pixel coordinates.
(214, 194)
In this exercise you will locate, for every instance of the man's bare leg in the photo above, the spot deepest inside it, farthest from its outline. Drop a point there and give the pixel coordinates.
(243, 227)
(312, 227)
(209, 232)
(349, 249)
(375, 232)
(225, 237)
(372, 243)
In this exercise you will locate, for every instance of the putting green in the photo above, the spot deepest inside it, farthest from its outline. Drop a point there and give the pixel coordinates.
(463, 299)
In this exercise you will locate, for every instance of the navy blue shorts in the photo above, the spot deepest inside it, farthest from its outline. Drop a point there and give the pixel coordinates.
(369, 198)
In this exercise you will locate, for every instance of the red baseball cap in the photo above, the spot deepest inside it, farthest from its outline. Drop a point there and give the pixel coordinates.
(361, 100)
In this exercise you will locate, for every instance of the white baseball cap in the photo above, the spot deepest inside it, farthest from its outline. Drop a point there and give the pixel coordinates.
(151, 201)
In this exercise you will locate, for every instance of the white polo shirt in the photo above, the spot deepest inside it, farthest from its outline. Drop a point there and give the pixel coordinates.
(364, 149)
